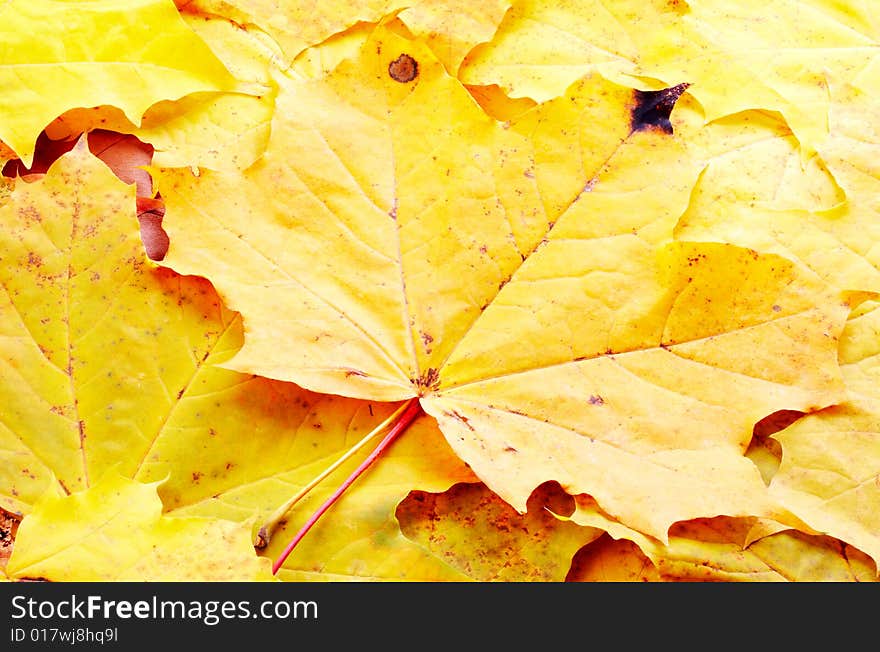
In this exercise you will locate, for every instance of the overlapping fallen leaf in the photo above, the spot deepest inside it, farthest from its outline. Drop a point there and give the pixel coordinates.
(587, 284)
(104, 52)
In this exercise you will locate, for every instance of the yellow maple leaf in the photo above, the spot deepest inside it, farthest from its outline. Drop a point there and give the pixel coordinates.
(126, 54)
(520, 279)
(115, 531)
(216, 130)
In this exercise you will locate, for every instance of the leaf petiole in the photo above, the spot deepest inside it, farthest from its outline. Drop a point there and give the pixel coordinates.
(403, 418)
(264, 534)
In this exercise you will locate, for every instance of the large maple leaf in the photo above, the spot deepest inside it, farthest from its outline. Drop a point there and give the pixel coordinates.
(597, 290)
(519, 279)
(210, 129)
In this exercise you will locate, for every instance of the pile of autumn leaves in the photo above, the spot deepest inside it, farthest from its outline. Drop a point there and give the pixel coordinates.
(642, 353)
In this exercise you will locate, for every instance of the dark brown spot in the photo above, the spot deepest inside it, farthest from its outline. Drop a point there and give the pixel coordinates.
(403, 69)
(776, 308)
(595, 399)
(458, 417)
(653, 108)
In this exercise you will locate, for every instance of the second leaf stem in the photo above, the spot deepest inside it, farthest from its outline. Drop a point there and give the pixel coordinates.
(410, 411)
(265, 532)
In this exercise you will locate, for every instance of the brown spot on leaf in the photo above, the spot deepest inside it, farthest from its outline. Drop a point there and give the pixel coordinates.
(196, 476)
(653, 108)
(459, 417)
(595, 399)
(403, 69)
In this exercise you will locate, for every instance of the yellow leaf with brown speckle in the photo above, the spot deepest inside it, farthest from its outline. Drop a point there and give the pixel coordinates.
(520, 279)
